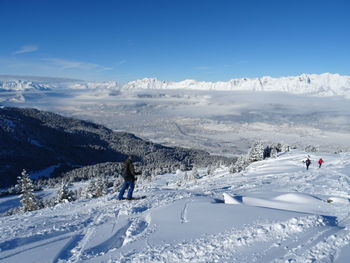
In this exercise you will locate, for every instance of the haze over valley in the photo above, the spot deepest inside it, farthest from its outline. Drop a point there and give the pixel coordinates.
(221, 118)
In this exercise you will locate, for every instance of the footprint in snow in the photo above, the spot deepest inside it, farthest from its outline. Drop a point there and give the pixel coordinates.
(126, 234)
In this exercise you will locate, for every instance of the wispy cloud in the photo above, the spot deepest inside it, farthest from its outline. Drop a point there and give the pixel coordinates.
(26, 49)
(55, 67)
(70, 64)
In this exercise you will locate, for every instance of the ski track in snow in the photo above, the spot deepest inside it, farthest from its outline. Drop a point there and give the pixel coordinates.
(108, 230)
(223, 246)
(184, 213)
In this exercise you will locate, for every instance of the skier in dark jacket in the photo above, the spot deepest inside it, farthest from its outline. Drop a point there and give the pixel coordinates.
(307, 162)
(129, 179)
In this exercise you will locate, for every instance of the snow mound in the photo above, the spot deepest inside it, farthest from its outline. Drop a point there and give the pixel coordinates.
(295, 202)
(298, 198)
(230, 199)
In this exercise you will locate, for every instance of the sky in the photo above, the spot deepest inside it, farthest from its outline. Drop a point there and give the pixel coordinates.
(174, 40)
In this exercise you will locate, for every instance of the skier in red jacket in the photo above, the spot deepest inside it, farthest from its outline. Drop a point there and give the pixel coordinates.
(320, 162)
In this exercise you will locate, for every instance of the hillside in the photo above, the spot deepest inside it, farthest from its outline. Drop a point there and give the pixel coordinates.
(35, 140)
(275, 211)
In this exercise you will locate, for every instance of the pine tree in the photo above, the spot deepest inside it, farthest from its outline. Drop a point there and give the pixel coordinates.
(194, 173)
(64, 195)
(311, 148)
(145, 177)
(256, 152)
(240, 164)
(210, 170)
(90, 190)
(274, 152)
(28, 200)
(100, 187)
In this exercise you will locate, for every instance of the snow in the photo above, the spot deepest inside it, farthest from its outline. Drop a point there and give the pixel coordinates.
(232, 200)
(274, 211)
(314, 84)
(220, 122)
(111, 85)
(298, 198)
(205, 115)
(20, 85)
(325, 84)
(290, 202)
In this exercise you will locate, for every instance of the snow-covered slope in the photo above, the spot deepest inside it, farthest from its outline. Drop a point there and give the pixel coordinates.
(281, 213)
(322, 85)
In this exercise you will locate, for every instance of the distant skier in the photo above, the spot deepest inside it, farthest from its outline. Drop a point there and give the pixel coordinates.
(307, 162)
(320, 162)
(129, 179)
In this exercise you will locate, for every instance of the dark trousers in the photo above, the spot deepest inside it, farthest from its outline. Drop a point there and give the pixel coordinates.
(126, 185)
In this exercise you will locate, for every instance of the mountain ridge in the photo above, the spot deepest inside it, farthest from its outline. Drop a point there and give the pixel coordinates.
(326, 84)
(35, 140)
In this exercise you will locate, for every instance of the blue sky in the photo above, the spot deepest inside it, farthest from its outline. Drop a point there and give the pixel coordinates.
(174, 40)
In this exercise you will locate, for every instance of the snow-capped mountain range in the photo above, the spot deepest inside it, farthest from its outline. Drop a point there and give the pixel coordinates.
(326, 84)
(23, 85)
(322, 85)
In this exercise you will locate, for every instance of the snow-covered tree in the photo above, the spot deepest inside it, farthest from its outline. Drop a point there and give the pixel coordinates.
(280, 147)
(240, 164)
(100, 186)
(146, 176)
(187, 177)
(311, 148)
(28, 201)
(256, 152)
(194, 173)
(90, 190)
(95, 188)
(64, 195)
(210, 170)
(183, 167)
(117, 184)
(274, 152)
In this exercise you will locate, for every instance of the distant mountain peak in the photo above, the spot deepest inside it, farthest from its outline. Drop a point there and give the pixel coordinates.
(326, 84)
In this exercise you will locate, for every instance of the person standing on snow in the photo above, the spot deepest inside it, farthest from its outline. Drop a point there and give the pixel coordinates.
(320, 162)
(307, 162)
(129, 179)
